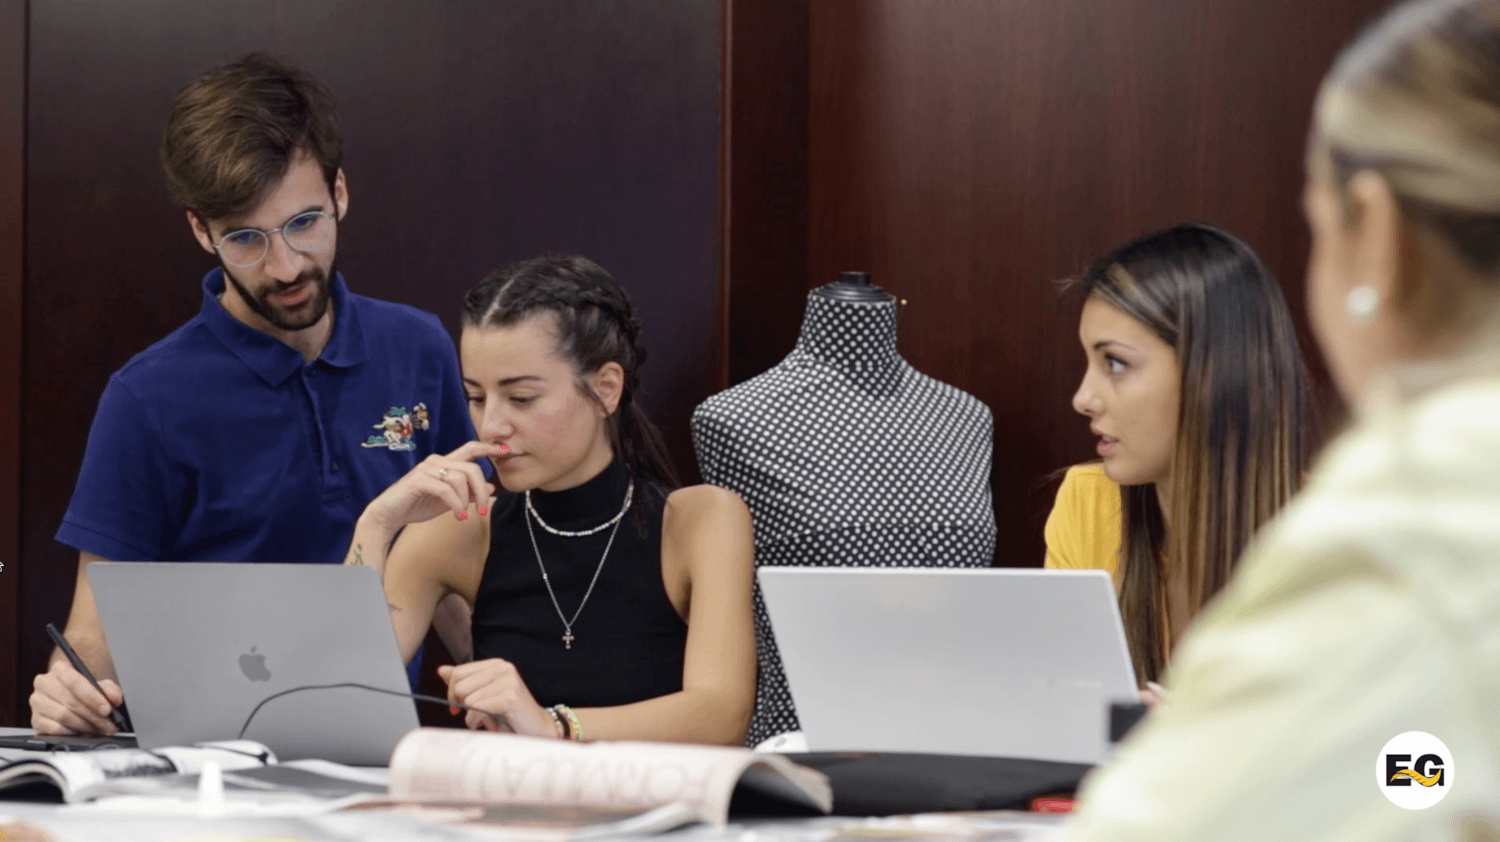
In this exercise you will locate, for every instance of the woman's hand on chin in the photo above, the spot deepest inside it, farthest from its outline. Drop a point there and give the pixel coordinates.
(438, 484)
(495, 686)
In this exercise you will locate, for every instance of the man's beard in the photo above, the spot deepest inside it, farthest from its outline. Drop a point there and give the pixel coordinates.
(304, 316)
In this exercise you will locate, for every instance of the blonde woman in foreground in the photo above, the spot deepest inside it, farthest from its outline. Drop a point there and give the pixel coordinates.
(1372, 607)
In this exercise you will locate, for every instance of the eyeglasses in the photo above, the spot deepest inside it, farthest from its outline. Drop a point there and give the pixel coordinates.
(305, 232)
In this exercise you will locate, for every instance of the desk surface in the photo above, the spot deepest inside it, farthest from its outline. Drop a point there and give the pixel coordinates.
(65, 823)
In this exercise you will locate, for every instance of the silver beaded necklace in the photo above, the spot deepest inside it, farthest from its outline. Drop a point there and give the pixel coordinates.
(629, 489)
(568, 637)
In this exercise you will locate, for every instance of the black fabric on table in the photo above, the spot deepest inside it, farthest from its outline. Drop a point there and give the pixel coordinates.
(889, 783)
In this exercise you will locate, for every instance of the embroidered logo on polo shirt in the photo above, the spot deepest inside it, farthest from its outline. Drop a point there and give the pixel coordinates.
(397, 426)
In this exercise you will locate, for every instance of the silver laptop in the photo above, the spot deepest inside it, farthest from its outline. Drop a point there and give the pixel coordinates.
(1002, 662)
(197, 646)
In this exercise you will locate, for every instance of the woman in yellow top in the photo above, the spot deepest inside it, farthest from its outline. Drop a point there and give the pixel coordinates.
(1198, 394)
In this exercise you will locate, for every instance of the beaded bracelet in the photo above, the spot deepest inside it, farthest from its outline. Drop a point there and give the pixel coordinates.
(575, 728)
(557, 723)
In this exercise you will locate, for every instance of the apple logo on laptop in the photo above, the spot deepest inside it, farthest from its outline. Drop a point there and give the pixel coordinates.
(254, 666)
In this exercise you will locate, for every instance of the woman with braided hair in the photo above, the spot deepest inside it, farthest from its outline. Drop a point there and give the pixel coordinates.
(606, 604)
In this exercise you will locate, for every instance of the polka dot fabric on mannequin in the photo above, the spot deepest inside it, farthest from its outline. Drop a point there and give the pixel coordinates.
(848, 456)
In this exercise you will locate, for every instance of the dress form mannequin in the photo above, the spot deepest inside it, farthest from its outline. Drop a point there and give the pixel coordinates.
(848, 456)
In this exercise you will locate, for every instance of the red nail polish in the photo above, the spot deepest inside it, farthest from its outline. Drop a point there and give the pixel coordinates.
(483, 511)
(453, 710)
(463, 515)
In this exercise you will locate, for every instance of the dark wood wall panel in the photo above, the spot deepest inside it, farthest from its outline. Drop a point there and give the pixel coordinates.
(12, 284)
(969, 154)
(764, 181)
(476, 134)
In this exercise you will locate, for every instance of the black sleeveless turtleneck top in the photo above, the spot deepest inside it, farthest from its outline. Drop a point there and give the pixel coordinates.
(628, 642)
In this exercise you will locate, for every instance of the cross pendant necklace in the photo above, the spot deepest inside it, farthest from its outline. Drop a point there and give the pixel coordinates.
(567, 637)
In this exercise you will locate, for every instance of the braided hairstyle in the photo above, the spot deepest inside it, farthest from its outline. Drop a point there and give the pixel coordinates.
(595, 324)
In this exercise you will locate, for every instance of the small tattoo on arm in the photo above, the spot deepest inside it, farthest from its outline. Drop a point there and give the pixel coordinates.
(359, 556)
(393, 606)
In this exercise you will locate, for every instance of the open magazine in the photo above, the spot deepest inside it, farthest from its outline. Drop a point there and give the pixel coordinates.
(440, 765)
(83, 775)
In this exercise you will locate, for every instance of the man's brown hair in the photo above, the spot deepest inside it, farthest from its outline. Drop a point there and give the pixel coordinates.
(234, 132)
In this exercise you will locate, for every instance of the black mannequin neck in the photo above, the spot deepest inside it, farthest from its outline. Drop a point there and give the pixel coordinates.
(853, 286)
(857, 336)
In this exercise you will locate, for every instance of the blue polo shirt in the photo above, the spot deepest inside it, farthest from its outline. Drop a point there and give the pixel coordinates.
(219, 443)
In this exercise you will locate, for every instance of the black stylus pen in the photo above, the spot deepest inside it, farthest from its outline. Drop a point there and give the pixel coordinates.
(62, 643)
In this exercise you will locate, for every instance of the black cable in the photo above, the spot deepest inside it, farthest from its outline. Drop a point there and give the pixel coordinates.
(416, 696)
(263, 756)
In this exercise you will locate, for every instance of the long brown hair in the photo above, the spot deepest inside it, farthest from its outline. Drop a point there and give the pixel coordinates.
(1241, 429)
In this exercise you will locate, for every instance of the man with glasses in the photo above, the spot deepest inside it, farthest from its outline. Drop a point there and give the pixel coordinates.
(259, 430)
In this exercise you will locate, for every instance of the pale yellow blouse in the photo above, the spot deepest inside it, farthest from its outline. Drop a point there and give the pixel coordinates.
(1371, 607)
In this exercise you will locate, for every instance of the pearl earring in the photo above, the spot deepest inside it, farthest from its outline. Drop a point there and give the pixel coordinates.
(1361, 304)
